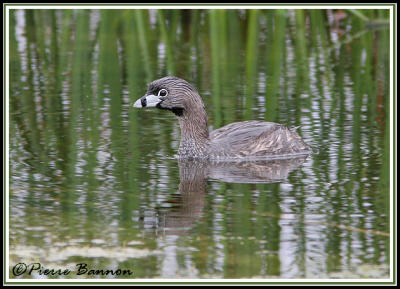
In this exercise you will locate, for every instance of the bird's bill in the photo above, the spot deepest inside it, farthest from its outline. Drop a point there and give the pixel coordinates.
(150, 100)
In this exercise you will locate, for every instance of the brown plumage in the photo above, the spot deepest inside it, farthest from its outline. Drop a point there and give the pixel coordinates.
(238, 140)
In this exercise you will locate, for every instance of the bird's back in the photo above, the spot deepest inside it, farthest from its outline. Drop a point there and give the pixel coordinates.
(256, 139)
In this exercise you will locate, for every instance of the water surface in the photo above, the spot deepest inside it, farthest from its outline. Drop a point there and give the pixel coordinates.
(94, 181)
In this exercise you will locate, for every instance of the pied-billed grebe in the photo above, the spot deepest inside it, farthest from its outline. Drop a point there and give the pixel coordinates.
(238, 140)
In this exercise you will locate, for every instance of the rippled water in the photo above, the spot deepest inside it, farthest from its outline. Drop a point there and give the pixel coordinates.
(94, 181)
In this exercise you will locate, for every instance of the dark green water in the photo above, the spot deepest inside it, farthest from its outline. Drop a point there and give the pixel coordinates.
(94, 181)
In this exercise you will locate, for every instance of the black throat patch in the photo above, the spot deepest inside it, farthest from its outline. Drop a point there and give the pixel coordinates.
(178, 111)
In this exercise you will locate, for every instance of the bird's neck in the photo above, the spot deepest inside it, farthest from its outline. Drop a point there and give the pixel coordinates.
(195, 139)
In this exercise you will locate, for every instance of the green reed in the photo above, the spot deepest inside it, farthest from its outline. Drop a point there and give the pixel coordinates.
(275, 55)
(215, 56)
(252, 54)
(143, 36)
(167, 41)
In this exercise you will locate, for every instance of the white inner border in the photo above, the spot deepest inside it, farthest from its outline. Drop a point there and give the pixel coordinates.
(391, 79)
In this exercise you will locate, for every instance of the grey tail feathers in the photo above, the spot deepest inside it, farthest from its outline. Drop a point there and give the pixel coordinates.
(293, 129)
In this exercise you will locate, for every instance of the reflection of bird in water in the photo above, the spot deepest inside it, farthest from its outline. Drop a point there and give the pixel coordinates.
(186, 206)
(261, 171)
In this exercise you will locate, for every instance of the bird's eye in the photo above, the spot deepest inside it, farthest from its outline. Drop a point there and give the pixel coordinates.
(162, 92)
